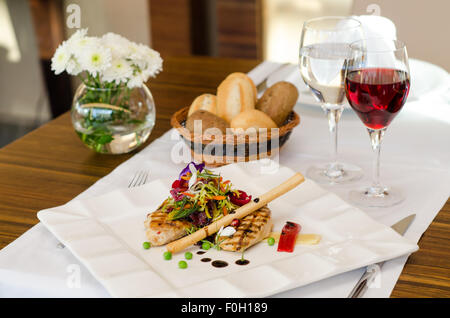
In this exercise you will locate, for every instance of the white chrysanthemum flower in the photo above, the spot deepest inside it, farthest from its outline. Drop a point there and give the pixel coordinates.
(95, 59)
(73, 67)
(119, 71)
(81, 33)
(153, 68)
(135, 81)
(117, 43)
(135, 53)
(155, 63)
(114, 39)
(60, 59)
(151, 62)
(79, 42)
(111, 58)
(79, 37)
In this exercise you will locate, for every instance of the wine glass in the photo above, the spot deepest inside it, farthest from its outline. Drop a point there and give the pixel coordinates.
(324, 48)
(377, 84)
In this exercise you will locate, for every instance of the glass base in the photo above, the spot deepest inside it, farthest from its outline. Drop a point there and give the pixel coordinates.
(334, 173)
(376, 197)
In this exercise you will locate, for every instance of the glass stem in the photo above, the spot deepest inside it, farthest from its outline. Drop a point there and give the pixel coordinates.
(334, 115)
(376, 136)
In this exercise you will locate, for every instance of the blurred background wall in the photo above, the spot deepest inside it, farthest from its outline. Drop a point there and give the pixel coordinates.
(284, 20)
(129, 18)
(23, 98)
(31, 30)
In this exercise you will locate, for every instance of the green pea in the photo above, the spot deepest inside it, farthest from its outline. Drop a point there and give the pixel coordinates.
(206, 245)
(182, 264)
(271, 241)
(146, 245)
(188, 255)
(167, 256)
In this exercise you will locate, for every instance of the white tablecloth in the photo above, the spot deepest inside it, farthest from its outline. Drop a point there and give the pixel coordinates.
(415, 158)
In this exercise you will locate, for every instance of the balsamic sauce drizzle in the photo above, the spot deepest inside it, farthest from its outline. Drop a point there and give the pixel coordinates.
(219, 263)
(242, 262)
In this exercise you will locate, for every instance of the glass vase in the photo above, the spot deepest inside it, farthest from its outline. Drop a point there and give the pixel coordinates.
(113, 120)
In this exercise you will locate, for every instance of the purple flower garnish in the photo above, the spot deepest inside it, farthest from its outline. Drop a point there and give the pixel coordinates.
(185, 171)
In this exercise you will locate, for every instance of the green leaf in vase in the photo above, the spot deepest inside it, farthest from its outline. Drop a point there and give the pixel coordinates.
(105, 139)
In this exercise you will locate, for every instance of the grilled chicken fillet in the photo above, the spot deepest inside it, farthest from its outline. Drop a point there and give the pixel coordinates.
(160, 230)
(253, 228)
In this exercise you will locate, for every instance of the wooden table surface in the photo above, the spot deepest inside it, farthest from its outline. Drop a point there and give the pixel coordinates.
(50, 166)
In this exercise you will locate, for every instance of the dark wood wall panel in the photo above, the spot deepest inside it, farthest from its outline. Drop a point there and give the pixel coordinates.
(171, 27)
(225, 28)
(239, 28)
(48, 21)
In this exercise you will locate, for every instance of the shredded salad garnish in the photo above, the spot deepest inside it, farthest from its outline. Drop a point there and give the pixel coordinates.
(201, 196)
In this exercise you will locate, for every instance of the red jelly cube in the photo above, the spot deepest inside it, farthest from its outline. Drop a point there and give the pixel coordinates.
(288, 237)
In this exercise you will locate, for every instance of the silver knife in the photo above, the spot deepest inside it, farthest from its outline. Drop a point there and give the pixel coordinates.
(371, 271)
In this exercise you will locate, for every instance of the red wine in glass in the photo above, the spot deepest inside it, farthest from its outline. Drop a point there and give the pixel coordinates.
(377, 85)
(377, 94)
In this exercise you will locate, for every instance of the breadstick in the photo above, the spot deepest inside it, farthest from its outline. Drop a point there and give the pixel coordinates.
(255, 204)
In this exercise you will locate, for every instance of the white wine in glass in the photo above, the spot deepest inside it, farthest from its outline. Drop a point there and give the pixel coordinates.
(324, 49)
(321, 67)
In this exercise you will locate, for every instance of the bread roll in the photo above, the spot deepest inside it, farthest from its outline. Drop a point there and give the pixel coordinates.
(208, 120)
(248, 80)
(252, 118)
(278, 101)
(206, 102)
(235, 95)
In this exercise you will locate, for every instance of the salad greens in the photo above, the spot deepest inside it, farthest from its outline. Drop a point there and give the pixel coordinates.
(201, 197)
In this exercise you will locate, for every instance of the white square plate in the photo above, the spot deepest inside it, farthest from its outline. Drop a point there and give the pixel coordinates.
(106, 233)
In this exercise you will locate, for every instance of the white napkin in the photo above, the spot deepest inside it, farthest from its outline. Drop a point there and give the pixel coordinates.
(263, 70)
(33, 265)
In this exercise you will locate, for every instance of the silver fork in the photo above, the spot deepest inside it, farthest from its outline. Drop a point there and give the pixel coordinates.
(140, 178)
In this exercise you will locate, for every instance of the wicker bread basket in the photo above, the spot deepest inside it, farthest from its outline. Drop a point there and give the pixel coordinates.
(216, 151)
